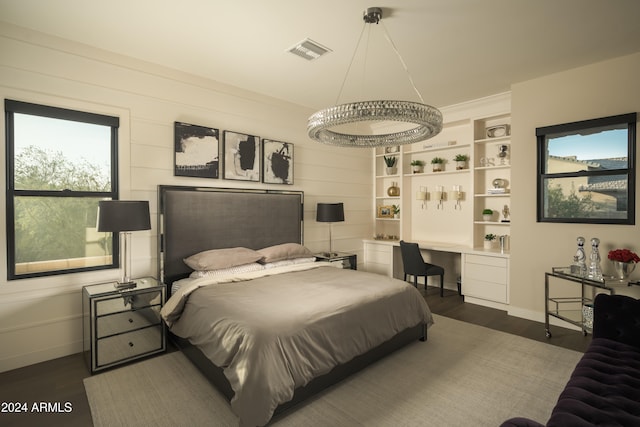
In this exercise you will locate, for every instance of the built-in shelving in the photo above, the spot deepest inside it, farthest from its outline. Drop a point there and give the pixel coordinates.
(453, 219)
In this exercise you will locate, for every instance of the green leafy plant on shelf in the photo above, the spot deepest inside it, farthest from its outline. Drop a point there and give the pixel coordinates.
(390, 161)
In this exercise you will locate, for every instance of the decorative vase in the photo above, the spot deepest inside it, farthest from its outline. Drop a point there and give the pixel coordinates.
(394, 190)
(623, 269)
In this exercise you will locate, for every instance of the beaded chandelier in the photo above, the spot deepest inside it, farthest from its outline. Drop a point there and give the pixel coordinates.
(424, 120)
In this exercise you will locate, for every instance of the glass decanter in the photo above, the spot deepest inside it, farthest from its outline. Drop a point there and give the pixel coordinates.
(579, 266)
(595, 271)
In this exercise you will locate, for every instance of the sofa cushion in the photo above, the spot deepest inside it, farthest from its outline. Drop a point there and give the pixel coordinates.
(617, 317)
(604, 388)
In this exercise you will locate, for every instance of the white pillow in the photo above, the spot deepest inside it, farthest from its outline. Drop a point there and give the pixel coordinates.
(238, 269)
(286, 262)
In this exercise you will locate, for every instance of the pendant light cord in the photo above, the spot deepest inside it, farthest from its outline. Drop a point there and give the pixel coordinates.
(404, 65)
(395, 50)
(353, 57)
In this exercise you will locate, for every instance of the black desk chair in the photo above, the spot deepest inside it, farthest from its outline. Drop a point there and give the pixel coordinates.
(415, 266)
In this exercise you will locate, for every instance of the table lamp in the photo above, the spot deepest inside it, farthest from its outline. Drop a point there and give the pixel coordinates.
(330, 212)
(124, 216)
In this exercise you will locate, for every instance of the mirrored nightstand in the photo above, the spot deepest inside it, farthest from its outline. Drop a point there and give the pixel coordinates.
(346, 260)
(120, 326)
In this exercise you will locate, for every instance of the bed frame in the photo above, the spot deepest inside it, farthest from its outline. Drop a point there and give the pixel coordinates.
(194, 219)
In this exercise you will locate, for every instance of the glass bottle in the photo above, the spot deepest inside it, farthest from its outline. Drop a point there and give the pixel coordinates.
(579, 265)
(595, 271)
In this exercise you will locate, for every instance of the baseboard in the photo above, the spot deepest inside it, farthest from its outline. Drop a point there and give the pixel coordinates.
(22, 360)
(39, 341)
(537, 316)
(485, 303)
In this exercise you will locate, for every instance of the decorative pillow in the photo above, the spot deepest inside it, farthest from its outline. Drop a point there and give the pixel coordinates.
(216, 259)
(286, 262)
(238, 269)
(284, 251)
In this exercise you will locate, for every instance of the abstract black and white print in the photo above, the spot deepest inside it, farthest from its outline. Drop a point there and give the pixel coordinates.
(277, 162)
(196, 151)
(241, 156)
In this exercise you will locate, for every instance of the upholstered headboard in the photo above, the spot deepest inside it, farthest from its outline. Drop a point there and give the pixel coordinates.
(194, 219)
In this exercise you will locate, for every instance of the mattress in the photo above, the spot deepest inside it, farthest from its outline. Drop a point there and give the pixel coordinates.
(276, 329)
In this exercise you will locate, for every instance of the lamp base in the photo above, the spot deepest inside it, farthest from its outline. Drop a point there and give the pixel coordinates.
(124, 285)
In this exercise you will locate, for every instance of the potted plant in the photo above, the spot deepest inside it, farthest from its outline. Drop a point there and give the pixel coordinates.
(396, 211)
(417, 166)
(487, 214)
(488, 240)
(391, 164)
(461, 161)
(438, 164)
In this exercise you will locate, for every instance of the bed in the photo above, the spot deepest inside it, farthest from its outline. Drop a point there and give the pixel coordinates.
(278, 328)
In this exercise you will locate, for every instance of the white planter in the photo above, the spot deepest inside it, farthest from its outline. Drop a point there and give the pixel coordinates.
(489, 244)
(487, 217)
(391, 170)
(461, 164)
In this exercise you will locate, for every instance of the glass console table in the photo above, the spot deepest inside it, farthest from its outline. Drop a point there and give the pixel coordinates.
(570, 309)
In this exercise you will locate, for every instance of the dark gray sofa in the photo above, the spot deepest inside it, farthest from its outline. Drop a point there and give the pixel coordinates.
(604, 388)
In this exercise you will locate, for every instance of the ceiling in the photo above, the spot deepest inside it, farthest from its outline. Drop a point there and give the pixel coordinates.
(454, 50)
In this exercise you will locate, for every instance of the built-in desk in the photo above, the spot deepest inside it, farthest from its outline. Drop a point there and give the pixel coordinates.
(484, 272)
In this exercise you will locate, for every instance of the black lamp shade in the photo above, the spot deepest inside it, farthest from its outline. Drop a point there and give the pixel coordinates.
(330, 212)
(123, 215)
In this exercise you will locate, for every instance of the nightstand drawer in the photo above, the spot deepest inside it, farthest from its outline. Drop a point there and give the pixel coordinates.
(132, 344)
(129, 301)
(127, 321)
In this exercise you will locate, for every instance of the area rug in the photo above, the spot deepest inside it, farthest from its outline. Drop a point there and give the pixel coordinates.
(463, 375)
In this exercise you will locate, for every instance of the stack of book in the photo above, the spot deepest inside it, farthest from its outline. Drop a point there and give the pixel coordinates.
(497, 190)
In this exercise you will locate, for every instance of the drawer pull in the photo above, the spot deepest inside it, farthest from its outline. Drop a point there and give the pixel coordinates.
(130, 344)
(130, 320)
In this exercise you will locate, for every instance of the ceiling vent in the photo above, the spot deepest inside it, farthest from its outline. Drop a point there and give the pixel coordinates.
(308, 49)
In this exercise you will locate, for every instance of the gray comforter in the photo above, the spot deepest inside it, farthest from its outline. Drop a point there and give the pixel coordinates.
(275, 330)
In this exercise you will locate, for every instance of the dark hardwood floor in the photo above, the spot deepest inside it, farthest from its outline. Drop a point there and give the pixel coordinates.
(59, 382)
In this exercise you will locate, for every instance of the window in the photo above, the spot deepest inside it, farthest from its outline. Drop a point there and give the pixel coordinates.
(586, 171)
(60, 163)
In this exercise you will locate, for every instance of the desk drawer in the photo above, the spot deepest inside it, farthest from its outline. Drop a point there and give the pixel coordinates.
(486, 260)
(486, 273)
(485, 290)
(129, 345)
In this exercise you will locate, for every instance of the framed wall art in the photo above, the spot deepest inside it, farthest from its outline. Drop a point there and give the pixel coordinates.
(196, 151)
(241, 156)
(385, 212)
(277, 162)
